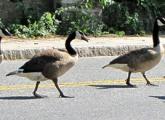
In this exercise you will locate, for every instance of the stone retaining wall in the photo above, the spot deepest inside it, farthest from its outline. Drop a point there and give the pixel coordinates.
(9, 11)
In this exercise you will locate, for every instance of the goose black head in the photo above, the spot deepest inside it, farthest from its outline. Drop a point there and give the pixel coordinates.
(161, 21)
(4, 32)
(78, 35)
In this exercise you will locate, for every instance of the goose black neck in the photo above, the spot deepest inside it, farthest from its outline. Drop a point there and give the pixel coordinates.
(156, 34)
(68, 46)
(0, 46)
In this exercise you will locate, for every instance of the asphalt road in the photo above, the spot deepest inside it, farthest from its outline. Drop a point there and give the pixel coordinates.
(99, 94)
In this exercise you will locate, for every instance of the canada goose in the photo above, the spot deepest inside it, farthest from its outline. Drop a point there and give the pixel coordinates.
(50, 64)
(143, 59)
(3, 32)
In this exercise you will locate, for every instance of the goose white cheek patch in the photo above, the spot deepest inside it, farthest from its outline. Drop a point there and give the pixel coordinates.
(160, 23)
(78, 35)
(123, 67)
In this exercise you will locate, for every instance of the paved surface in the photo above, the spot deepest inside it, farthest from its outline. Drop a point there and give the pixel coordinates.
(100, 46)
(99, 94)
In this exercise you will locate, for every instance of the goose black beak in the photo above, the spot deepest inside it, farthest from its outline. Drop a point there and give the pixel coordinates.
(84, 38)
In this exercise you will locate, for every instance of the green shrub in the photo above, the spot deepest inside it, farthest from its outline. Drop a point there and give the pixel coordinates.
(120, 33)
(73, 18)
(132, 17)
(118, 17)
(46, 25)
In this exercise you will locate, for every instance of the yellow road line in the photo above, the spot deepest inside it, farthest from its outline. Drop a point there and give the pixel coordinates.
(78, 84)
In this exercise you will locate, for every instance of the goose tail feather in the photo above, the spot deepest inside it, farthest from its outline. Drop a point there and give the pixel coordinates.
(15, 72)
(105, 66)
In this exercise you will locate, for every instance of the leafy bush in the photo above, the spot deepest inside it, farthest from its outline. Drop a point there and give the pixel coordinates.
(29, 13)
(118, 17)
(120, 33)
(73, 18)
(94, 3)
(46, 25)
(132, 17)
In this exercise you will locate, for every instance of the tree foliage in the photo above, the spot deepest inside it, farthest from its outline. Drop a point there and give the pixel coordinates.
(133, 17)
(114, 16)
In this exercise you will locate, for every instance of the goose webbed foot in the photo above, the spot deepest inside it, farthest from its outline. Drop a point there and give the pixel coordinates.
(150, 84)
(130, 85)
(128, 81)
(61, 93)
(38, 96)
(63, 96)
(35, 90)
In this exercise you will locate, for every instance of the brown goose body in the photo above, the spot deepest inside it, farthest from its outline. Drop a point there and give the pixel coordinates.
(141, 60)
(50, 64)
(3, 32)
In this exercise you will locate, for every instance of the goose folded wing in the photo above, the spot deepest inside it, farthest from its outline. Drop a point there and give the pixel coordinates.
(37, 63)
(123, 59)
(136, 57)
(143, 55)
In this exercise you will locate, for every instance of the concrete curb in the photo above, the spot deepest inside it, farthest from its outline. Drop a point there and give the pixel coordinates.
(103, 46)
(82, 51)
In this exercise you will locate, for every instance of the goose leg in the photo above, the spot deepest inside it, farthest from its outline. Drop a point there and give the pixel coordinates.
(35, 90)
(61, 93)
(128, 80)
(148, 82)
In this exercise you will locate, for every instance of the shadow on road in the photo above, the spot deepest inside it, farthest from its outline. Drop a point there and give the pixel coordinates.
(159, 97)
(19, 98)
(111, 86)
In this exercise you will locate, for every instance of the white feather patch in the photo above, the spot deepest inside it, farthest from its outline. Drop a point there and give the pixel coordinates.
(78, 35)
(34, 76)
(160, 23)
(123, 67)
